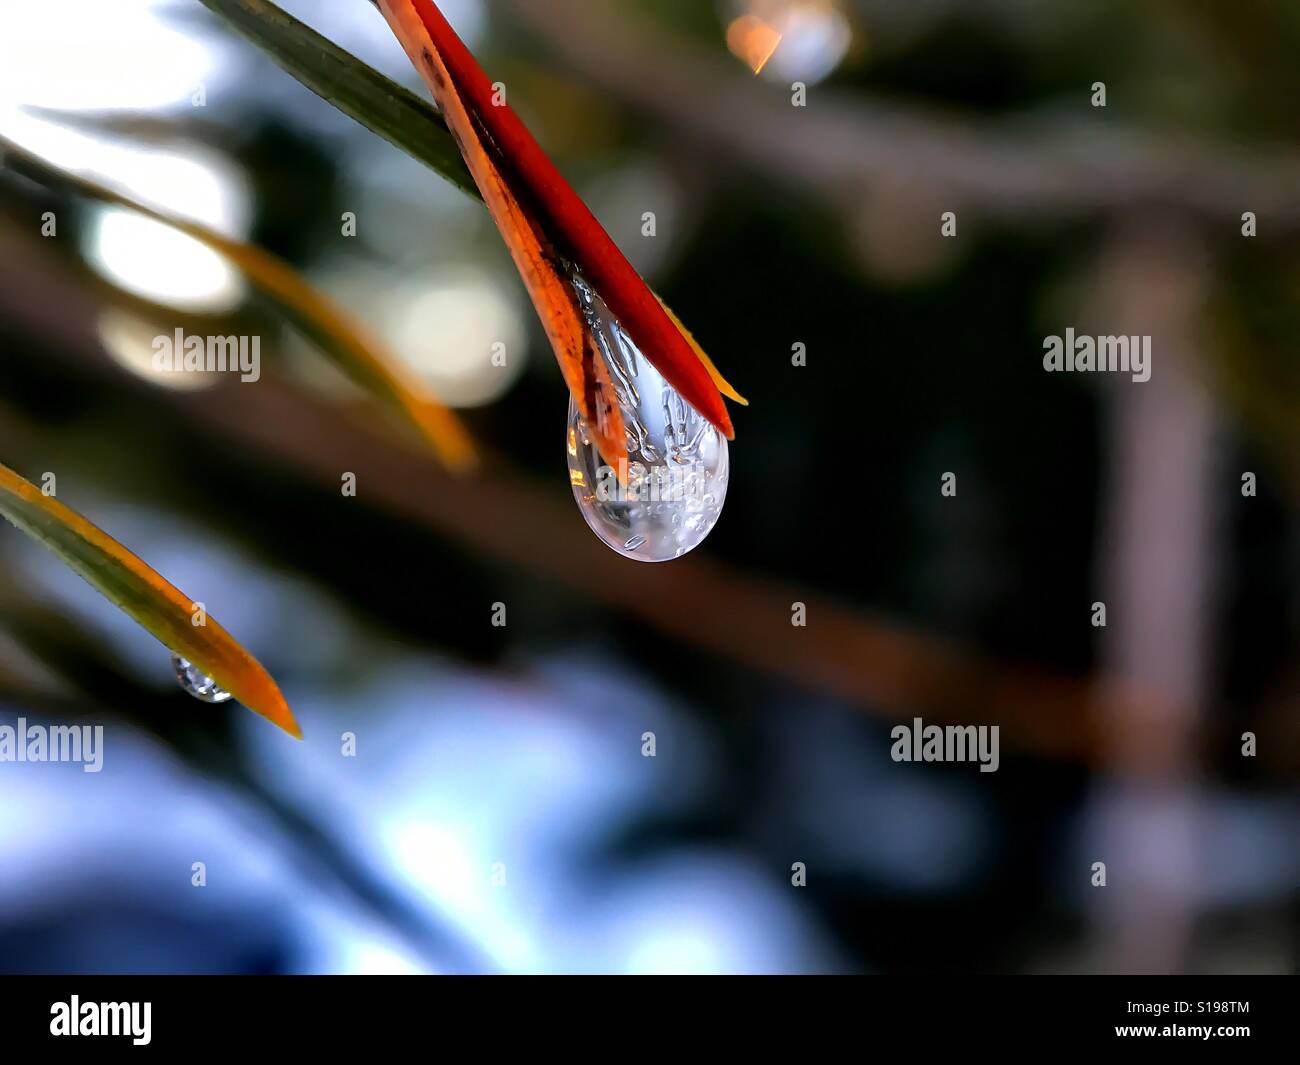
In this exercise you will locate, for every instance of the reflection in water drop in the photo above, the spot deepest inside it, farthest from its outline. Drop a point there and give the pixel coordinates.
(674, 475)
(197, 683)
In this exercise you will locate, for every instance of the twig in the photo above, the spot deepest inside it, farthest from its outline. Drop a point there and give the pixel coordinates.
(839, 144)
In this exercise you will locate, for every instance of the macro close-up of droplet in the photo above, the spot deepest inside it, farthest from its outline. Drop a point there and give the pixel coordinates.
(195, 682)
(664, 496)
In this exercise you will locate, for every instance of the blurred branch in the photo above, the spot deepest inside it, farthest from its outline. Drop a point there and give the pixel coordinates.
(356, 353)
(1159, 579)
(1046, 165)
(875, 664)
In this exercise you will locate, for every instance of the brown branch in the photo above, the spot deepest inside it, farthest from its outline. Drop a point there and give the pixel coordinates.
(878, 665)
(839, 144)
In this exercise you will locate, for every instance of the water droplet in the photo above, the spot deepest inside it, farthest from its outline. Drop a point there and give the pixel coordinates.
(674, 477)
(197, 683)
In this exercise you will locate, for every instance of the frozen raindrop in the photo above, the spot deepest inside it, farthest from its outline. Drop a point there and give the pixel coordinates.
(676, 466)
(197, 683)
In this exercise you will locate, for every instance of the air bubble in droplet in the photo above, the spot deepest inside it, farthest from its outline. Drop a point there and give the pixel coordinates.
(668, 492)
(195, 682)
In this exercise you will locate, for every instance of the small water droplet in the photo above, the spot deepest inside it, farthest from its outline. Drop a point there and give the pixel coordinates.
(674, 479)
(195, 682)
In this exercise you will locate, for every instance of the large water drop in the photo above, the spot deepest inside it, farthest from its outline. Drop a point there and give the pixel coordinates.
(676, 467)
(197, 683)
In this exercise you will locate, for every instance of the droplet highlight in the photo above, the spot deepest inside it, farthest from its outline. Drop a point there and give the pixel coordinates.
(664, 496)
(195, 682)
